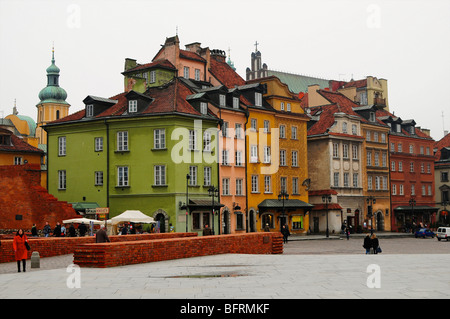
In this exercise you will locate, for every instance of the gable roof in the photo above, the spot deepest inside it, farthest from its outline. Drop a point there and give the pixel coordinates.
(225, 74)
(170, 98)
(17, 144)
(439, 145)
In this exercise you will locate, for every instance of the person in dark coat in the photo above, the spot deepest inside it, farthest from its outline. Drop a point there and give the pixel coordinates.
(286, 233)
(101, 236)
(207, 231)
(375, 243)
(82, 229)
(72, 231)
(47, 230)
(57, 230)
(34, 232)
(367, 244)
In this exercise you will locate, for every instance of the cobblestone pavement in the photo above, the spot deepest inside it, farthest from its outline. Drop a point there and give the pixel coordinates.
(309, 269)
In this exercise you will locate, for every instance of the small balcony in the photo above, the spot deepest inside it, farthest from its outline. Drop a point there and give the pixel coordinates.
(377, 101)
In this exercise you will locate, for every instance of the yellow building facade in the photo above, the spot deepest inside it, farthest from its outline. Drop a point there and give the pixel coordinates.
(277, 170)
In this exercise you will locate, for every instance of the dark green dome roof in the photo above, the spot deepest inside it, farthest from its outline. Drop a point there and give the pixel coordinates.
(53, 92)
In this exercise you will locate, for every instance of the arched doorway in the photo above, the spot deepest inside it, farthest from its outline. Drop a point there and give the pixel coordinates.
(163, 218)
(226, 221)
(380, 221)
(252, 221)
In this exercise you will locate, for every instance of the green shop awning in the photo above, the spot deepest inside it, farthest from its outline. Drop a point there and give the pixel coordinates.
(84, 205)
(289, 205)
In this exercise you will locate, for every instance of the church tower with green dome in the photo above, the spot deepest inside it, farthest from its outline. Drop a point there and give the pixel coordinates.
(52, 104)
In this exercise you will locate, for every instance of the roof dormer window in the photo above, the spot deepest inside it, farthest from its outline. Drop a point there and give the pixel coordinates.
(132, 106)
(90, 110)
(222, 100)
(204, 108)
(235, 102)
(258, 99)
(372, 117)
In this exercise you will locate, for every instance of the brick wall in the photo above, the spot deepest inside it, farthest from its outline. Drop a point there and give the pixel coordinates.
(53, 246)
(126, 253)
(22, 194)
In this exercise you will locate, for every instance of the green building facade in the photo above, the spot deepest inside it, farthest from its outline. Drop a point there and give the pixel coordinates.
(134, 152)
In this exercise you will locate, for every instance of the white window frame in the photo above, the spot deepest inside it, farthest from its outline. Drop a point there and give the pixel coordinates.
(267, 184)
(282, 157)
(204, 108)
(62, 179)
(89, 110)
(160, 175)
(62, 146)
(193, 175)
(235, 103)
(186, 72)
(98, 144)
(192, 140)
(132, 106)
(159, 139)
(122, 141)
(152, 76)
(258, 99)
(123, 176)
(226, 186)
(98, 178)
(239, 187)
(255, 183)
(253, 153)
(197, 74)
(267, 154)
(294, 155)
(207, 175)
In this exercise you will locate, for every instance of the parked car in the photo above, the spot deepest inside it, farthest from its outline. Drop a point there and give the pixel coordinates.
(443, 233)
(424, 232)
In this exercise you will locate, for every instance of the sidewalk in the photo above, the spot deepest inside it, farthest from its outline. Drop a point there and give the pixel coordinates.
(380, 234)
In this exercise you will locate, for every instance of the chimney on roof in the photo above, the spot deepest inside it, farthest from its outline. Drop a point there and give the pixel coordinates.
(130, 63)
(194, 47)
(218, 55)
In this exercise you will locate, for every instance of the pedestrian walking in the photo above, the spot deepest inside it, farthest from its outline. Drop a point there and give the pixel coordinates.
(367, 244)
(47, 230)
(286, 233)
(101, 236)
(20, 249)
(375, 244)
(347, 232)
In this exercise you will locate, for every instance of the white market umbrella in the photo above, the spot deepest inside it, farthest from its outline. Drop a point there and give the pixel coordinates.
(83, 220)
(132, 216)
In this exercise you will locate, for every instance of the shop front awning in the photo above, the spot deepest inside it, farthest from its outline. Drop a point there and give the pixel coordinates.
(83, 205)
(203, 205)
(416, 209)
(289, 205)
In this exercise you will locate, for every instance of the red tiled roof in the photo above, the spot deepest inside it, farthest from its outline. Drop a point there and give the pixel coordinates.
(357, 84)
(191, 55)
(443, 142)
(18, 144)
(418, 132)
(166, 99)
(160, 63)
(225, 74)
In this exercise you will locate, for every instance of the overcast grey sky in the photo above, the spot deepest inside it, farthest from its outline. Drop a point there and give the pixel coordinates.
(405, 42)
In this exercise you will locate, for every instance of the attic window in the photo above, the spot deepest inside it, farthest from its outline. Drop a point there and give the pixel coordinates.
(372, 117)
(89, 110)
(132, 106)
(235, 102)
(222, 100)
(5, 140)
(203, 108)
(258, 99)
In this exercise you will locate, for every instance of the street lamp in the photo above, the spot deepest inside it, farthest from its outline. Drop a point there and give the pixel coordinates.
(213, 192)
(188, 177)
(281, 197)
(370, 201)
(412, 203)
(327, 199)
